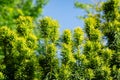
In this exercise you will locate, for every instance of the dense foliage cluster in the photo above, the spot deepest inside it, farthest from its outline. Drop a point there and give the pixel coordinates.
(92, 53)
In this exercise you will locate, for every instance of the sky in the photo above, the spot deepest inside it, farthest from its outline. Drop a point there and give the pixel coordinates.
(65, 13)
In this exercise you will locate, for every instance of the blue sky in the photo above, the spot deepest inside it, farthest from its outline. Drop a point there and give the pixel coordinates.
(65, 12)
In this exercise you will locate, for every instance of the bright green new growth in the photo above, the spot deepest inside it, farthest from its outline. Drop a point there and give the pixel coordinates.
(49, 29)
(78, 36)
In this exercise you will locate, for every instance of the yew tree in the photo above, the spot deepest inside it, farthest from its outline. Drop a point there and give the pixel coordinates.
(47, 50)
(101, 50)
(18, 51)
(88, 53)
